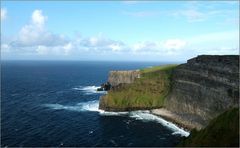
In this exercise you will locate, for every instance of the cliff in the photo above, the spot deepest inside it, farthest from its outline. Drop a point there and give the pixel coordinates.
(204, 87)
(143, 89)
(201, 94)
(194, 92)
(122, 77)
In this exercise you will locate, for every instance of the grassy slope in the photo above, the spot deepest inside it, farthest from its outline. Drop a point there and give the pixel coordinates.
(149, 91)
(221, 131)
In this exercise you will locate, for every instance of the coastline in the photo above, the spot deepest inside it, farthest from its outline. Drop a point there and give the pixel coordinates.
(181, 121)
(148, 116)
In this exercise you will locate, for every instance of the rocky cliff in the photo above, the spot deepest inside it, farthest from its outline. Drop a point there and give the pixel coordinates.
(135, 90)
(204, 87)
(195, 92)
(122, 77)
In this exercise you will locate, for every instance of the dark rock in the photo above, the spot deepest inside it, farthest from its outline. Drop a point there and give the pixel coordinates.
(105, 87)
(205, 86)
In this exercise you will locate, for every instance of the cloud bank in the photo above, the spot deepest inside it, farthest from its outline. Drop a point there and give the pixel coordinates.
(35, 40)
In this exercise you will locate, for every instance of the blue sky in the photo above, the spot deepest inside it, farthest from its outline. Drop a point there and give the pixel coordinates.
(121, 31)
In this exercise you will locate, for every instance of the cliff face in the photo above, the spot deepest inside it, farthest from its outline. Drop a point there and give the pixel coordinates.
(204, 87)
(120, 77)
(194, 92)
(132, 92)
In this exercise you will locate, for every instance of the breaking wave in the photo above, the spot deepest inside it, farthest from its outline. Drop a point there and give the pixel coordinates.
(83, 106)
(143, 115)
(146, 116)
(88, 90)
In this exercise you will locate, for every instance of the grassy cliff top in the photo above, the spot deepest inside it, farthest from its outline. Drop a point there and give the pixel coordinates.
(148, 91)
(158, 68)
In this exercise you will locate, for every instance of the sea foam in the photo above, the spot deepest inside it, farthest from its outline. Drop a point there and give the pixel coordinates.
(143, 115)
(82, 106)
(89, 90)
(146, 116)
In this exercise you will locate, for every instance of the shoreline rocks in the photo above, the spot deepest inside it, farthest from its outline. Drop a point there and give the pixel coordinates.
(105, 87)
(183, 121)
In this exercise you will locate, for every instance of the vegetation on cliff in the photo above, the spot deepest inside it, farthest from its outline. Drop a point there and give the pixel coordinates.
(222, 131)
(148, 91)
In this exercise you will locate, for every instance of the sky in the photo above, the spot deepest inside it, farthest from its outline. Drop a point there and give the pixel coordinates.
(118, 31)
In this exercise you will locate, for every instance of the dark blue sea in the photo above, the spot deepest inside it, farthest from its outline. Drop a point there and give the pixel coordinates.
(55, 103)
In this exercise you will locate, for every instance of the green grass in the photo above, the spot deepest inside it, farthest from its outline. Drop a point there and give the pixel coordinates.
(158, 68)
(149, 91)
(222, 131)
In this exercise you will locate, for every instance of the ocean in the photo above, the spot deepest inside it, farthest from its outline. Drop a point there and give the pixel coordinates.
(55, 103)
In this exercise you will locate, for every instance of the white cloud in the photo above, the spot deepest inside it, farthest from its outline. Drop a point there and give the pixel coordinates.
(35, 34)
(99, 43)
(3, 14)
(147, 46)
(38, 18)
(115, 47)
(42, 50)
(166, 47)
(195, 11)
(174, 44)
(67, 48)
(34, 39)
(5, 48)
(54, 50)
(191, 15)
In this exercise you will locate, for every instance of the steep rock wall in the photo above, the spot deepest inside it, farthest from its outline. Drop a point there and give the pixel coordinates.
(204, 87)
(120, 77)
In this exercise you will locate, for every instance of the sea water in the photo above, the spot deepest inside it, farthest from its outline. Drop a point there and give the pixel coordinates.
(55, 103)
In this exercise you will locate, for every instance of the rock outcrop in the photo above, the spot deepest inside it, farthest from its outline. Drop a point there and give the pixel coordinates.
(120, 77)
(105, 87)
(204, 87)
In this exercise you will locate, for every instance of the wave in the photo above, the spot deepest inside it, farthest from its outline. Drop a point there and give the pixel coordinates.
(83, 106)
(143, 115)
(146, 116)
(88, 90)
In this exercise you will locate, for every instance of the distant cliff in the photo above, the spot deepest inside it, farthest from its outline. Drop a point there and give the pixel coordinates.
(134, 90)
(119, 77)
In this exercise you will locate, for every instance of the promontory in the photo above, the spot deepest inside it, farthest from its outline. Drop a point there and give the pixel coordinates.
(194, 95)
